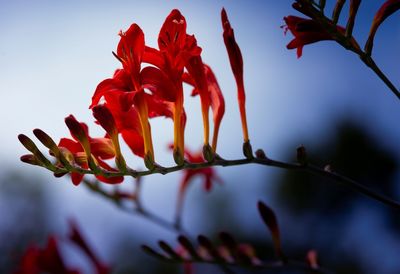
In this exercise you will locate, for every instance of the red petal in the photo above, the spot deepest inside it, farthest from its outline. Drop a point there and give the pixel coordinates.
(216, 97)
(134, 141)
(159, 108)
(131, 49)
(154, 57)
(158, 83)
(76, 178)
(102, 148)
(173, 32)
(71, 145)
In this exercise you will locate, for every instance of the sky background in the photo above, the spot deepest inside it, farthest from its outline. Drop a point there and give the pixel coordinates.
(53, 54)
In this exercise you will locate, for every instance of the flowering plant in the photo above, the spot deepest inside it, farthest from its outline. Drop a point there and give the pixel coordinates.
(150, 83)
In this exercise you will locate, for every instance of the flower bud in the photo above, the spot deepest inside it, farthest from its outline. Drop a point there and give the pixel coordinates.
(248, 150)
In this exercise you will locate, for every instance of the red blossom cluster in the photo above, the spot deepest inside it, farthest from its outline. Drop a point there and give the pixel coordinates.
(149, 84)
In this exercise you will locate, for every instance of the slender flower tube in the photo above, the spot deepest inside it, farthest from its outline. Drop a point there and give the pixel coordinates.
(236, 61)
(194, 65)
(216, 99)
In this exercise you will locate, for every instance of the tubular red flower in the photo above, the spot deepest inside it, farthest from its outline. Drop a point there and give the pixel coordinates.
(195, 67)
(305, 31)
(236, 61)
(308, 31)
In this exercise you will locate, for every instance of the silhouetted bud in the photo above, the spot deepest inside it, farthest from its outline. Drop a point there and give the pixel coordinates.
(247, 150)
(302, 155)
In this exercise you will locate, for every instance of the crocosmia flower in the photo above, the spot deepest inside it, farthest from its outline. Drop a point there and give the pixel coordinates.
(308, 31)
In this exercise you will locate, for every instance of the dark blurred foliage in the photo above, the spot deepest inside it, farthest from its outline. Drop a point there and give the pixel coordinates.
(318, 213)
(24, 219)
(327, 210)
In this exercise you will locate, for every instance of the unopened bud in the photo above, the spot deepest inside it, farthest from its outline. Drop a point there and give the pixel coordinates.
(45, 139)
(30, 145)
(260, 154)
(105, 119)
(247, 150)
(30, 159)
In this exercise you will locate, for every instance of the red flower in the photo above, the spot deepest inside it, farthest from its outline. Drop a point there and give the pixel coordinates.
(236, 61)
(305, 31)
(127, 83)
(178, 50)
(49, 260)
(46, 260)
(98, 148)
(308, 31)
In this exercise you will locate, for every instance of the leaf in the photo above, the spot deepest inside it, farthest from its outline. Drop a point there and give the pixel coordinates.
(387, 9)
(269, 218)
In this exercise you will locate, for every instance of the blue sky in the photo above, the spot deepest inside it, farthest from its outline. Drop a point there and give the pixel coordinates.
(53, 55)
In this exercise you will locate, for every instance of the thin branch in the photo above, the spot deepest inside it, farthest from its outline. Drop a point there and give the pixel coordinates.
(356, 186)
(346, 42)
(139, 210)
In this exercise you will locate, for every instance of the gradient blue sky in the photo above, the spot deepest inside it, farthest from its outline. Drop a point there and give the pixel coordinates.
(53, 54)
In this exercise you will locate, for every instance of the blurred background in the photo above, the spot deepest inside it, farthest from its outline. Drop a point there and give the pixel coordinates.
(52, 56)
